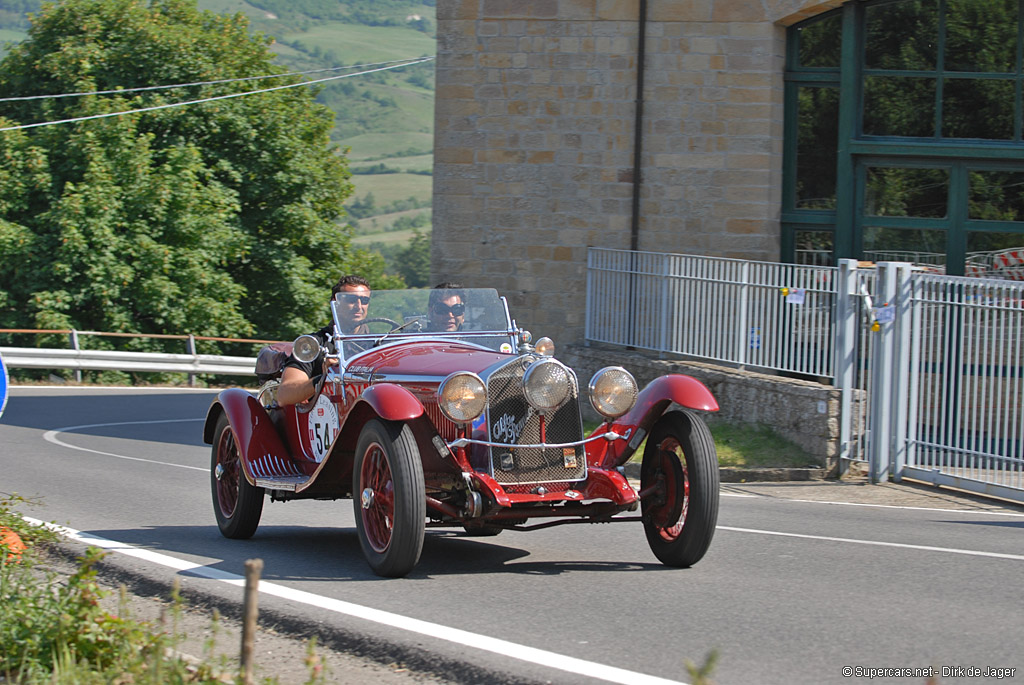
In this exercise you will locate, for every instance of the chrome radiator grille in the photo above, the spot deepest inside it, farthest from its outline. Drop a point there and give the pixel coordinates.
(510, 419)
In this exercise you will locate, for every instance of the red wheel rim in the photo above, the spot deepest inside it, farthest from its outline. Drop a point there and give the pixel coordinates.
(377, 498)
(227, 483)
(669, 450)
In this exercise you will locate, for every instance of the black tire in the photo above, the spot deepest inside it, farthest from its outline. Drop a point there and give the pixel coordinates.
(680, 515)
(481, 530)
(236, 504)
(389, 498)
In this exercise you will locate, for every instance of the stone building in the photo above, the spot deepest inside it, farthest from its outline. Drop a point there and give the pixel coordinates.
(536, 131)
(766, 130)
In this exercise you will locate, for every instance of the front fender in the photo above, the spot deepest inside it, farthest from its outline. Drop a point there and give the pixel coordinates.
(254, 432)
(393, 402)
(650, 405)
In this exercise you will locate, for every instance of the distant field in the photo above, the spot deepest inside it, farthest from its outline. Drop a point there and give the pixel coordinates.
(233, 7)
(413, 163)
(407, 123)
(356, 44)
(387, 188)
(10, 35)
(392, 238)
(375, 145)
(381, 222)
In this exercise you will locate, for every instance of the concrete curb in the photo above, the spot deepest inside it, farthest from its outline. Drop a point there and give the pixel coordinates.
(733, 474)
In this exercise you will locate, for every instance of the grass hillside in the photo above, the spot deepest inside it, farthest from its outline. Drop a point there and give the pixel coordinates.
(383, 120)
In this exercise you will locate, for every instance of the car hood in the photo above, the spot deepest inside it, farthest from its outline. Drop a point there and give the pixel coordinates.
(422, 358)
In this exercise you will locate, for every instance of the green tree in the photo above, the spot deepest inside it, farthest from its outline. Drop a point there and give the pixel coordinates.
(414, 260)
(218, 219)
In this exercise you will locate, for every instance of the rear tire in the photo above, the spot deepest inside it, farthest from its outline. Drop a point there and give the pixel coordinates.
(389, 498)
(681, 462)
(237, 504)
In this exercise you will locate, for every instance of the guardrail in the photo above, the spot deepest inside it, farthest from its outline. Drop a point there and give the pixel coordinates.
(110, 360)
(79, 359)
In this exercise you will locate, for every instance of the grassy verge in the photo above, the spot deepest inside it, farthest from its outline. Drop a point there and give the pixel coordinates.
(54, 629)
(745, 446)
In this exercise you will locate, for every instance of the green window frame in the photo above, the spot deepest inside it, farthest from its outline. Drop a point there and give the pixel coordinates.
(924, 95)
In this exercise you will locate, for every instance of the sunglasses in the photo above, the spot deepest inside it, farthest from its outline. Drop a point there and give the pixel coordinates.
(454, 310)
(349, 298)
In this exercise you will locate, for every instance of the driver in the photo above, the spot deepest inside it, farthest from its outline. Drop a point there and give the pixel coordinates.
(447, 307)
(297, 379)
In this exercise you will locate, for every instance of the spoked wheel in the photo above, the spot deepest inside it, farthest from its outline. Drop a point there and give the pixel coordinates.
(681, 465)
(236, 504)
(389, 498)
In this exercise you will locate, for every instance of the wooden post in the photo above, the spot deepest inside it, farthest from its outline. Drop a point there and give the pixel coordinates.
(192, 351)
(253, 568)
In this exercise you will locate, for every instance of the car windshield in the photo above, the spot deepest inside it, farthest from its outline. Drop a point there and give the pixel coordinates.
(473, 315)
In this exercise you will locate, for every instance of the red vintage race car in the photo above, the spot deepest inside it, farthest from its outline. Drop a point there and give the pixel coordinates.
(479, 428)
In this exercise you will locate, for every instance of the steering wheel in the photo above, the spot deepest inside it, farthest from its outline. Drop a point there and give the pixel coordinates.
(392, 323)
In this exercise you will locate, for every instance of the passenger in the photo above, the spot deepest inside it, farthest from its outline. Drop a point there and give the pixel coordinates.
(298, 381)
(447, 307)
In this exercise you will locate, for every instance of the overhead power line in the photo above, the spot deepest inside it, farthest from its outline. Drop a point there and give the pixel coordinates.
(117, 91)
(212, 99)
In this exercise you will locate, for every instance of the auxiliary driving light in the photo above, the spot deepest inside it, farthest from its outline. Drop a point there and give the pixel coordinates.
(306, 348)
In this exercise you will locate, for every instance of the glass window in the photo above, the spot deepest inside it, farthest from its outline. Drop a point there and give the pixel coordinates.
(896, 191)
(899, 106)
(816, 147)
(981, 35)
(995, 255)
(820, 42)
(996, 195)
(917, 245)
(901, 35)
(976, 108)
(814, 248)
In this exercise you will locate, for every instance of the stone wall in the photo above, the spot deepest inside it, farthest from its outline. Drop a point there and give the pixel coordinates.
(804, 412)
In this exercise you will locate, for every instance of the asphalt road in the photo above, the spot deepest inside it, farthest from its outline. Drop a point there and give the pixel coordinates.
(791, 591)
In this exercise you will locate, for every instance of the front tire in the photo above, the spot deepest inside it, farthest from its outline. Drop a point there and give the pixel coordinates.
(680, 462)
(236, 504)
(389, 498)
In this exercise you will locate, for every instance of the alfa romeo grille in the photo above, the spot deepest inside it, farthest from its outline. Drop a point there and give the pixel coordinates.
(510, 419)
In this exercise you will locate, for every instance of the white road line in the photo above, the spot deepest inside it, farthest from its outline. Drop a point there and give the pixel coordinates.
(901, 506)
(878, 543)
(51, 436)
(465, 638)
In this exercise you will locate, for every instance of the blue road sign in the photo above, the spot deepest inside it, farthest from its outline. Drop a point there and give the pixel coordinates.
(3, 386)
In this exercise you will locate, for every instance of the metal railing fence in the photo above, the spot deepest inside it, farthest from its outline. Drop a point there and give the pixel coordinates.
(965, 422)
(758, 314)
(930, 367)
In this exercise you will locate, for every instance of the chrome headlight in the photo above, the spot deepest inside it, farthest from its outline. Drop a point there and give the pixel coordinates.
(462, 396)
(306, 348)
(546, 384)
(545, 347)
(613, 391)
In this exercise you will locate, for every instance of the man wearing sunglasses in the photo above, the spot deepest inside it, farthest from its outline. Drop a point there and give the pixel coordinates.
(298, 380)
(447, 307)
